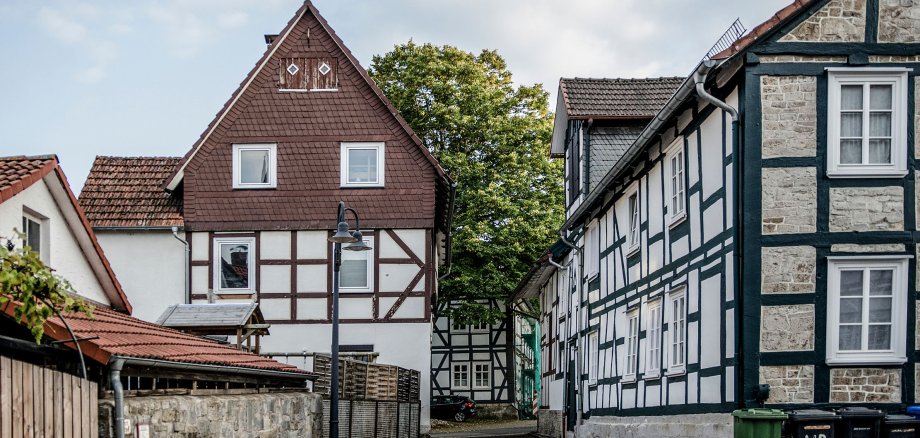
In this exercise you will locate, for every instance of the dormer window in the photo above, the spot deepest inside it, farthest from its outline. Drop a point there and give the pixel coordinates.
(254, 166)
(362, 164)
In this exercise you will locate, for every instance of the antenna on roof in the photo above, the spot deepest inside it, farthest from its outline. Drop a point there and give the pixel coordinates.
(735, 31)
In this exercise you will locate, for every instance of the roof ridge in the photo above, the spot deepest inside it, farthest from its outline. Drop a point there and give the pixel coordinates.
(649, 78)
(42, 157)
(136, 157)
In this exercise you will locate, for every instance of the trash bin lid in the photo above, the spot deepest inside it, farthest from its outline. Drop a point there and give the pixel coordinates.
(913, 410)
(812, 415)
(760, 414)
(901, 419)
(860, 411)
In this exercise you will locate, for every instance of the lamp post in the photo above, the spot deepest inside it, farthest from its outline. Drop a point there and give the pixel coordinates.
(356, 243)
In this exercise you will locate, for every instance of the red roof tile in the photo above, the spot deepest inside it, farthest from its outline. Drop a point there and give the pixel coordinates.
(126, 192)
(113, 333)
(19, 172)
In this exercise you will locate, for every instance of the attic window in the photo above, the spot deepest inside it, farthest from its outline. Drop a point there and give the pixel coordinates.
(254, 166)
(308, 74)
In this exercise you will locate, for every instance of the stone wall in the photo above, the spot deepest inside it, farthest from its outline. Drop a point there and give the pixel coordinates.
(664, 426)
(867, 209)
(789, 112)
(788, 269)
(790, 383)
(550, 423)
(787, 328)
(789, 200)
(838, 20)
(899, 21)
(269, 415)
(866, 385)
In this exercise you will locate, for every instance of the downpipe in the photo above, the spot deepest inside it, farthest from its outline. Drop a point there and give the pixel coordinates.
(118, 390)
(187, 279)
(578, 325)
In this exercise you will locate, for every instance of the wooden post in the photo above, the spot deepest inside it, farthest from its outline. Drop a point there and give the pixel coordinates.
(239, 338)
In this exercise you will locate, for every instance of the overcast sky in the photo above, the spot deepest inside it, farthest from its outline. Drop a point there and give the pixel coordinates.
(144, 78)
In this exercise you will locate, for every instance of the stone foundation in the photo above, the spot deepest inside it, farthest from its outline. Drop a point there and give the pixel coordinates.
(498, 411)
(866, 385)
(664, 426)
(550, 423)
(789, 384)
(269, 415)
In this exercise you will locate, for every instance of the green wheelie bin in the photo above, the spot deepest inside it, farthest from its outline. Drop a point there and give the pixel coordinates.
(758, 423)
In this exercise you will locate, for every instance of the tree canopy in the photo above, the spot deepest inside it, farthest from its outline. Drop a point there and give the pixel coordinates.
(493, 138)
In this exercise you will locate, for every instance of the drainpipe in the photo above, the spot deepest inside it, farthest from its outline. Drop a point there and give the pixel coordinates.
(118, 390)
(699, 78)
(187, 280)
(578, 341)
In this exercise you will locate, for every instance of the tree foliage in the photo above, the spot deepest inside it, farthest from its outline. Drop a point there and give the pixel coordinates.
(30, 285)
(493, 138)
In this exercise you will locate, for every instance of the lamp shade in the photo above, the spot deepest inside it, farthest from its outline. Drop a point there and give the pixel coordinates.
(342, 235)
(359, 244)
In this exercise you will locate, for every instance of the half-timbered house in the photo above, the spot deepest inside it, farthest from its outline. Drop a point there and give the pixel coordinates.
(245, 214)
(759, 230)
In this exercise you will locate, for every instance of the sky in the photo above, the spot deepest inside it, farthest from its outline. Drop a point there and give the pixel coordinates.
(81, 78)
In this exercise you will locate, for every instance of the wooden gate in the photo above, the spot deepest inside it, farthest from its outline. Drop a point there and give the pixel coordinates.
(40, 402)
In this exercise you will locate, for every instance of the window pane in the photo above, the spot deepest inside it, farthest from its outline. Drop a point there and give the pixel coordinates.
(851, 124)
(851, 283)
(879, 337)
(33, 231)
(851, 97)
(353, 273)
(880, 310)
(851, 310)
(880, 151)
(851, 151)
(234, 266)
(362, 165)
(880, 282)
(254, 166)
(879, 124)
(850, 337)
(880, 97)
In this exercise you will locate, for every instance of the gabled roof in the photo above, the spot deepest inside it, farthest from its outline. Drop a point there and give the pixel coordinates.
(127, 192)
(209, 315)
(18, 173)
(108, 333)
(616, 98)
(172, 182)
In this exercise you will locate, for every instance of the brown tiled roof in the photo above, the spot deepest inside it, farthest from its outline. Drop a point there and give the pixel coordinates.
(616, 98)
(764, 28)
(127, 192)
(109, 333)
(19, 172)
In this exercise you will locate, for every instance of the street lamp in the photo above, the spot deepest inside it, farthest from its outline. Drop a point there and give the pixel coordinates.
(356, 243)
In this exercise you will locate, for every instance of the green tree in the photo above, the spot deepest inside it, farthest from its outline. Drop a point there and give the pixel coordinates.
(493, 138)
(35, 290)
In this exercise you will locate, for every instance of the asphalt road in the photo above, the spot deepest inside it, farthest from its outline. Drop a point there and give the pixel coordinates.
(516, 431)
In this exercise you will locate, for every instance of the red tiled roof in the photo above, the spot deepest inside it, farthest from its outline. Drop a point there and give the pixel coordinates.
(127, 192)
(764, 28)
(623, 98)
(113, 333)
(19, 172)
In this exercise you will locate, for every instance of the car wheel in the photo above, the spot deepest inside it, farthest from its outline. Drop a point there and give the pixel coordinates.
(460, 417)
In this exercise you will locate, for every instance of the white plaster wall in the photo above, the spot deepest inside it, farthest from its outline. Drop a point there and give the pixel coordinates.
(405, 345)
(149, 266)
(63, 253)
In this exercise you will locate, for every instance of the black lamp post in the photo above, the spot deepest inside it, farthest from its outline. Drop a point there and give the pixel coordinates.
(356, 243)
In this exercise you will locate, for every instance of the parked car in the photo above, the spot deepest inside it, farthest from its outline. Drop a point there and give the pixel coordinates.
(453, 407)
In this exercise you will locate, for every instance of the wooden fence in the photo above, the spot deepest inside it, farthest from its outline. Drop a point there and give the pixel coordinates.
(40, 402)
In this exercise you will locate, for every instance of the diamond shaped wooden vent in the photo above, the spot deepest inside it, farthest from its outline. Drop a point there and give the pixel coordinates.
(292, 69)
(324, 69)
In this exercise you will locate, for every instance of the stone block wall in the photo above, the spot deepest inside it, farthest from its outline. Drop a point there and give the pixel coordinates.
(867, 209)
(899, 21)
(789, 200)
(269, 415)
(787, 328)
(790, 383)
(866, 385)
(663, 426)
(550, 423)
(838, 20)
(788, 269)
(789, 113)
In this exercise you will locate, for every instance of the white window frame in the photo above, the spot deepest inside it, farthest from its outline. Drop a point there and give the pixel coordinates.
(899, 302)
(631, 367)
(633, 220)
(676, 150)
(593, 357)
(592, 253)
(677, 331)
(897, 78)
(653, 339)
(369, 241)
(480, 327)
(379, 146)
(251, 269)
(44, 242)
(458, 328)
(474, 378)
(453, 375)
(272, 166)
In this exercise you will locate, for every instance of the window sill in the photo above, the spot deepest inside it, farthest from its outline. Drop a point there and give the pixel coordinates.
(652, 376)
(629, 379)
(254, 187)
(632, 251)
(676, 372)
(867, 173)
(677, 220)
(867, 361)
(361, 186)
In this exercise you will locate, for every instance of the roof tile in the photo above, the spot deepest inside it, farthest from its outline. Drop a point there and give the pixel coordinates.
(639, 98)
(19, 172)
(126, 192)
